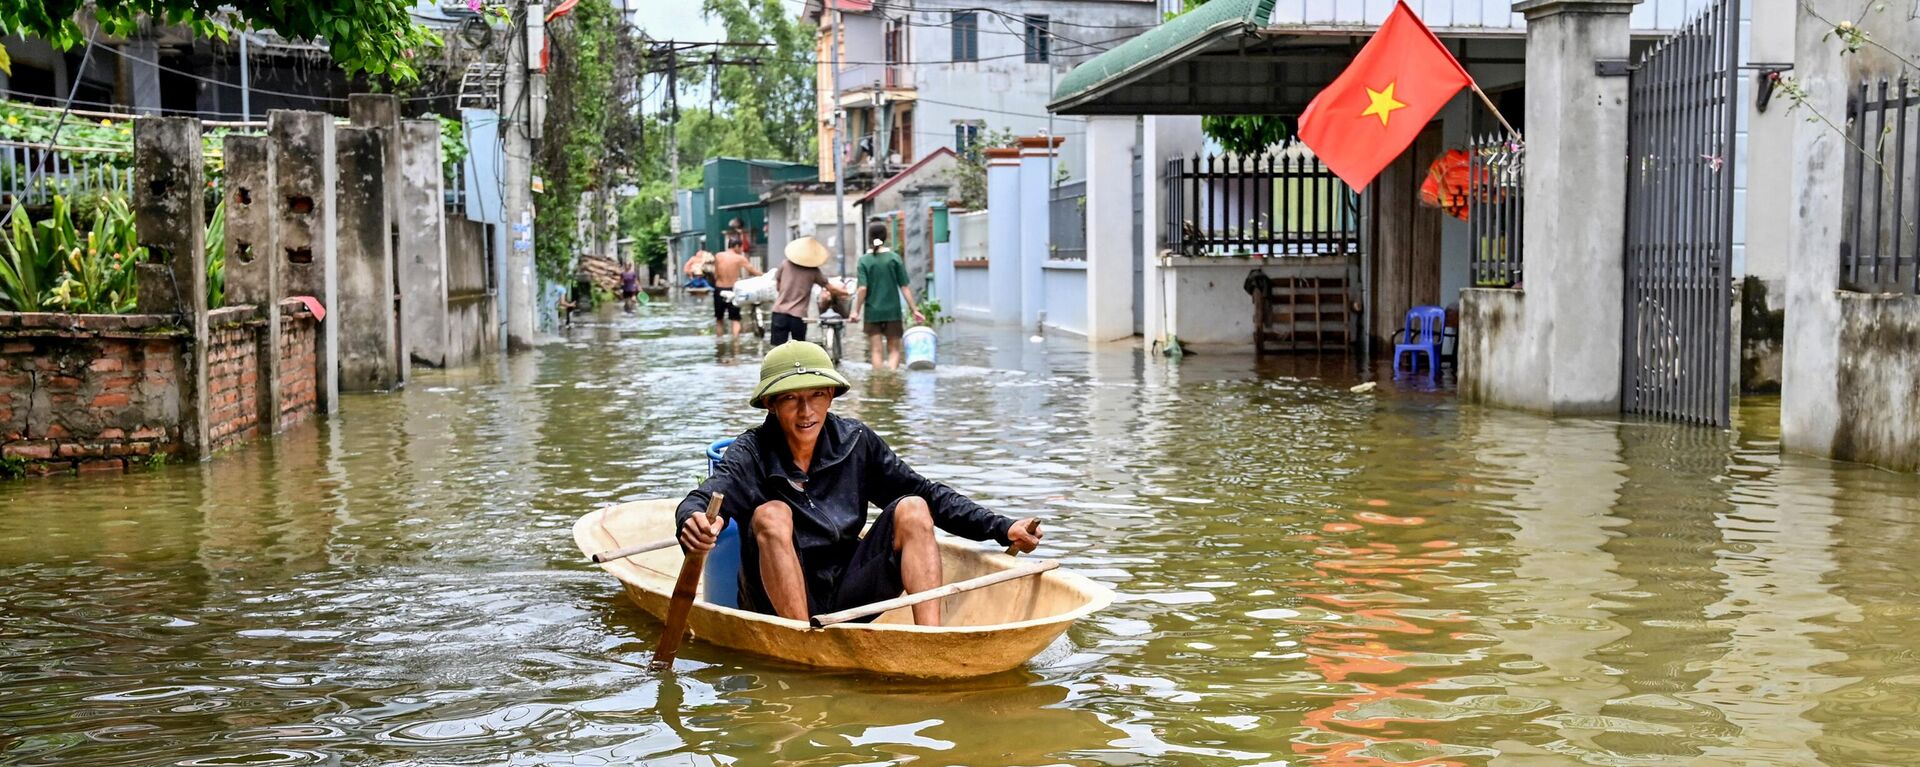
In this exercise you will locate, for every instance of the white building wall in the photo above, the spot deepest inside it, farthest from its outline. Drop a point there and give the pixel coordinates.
(1001, 90)
(1461, 15)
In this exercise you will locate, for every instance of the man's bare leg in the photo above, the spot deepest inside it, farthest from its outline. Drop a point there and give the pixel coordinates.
(895, 347)
(779, 562)
(919, 555)
(873, 349)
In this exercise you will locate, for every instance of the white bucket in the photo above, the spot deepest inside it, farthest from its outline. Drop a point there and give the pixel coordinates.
(922, 343)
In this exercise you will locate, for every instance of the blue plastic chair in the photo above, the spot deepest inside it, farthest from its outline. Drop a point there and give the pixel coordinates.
(1425, 328)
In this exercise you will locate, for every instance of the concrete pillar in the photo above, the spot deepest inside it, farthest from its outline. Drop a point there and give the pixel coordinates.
(304, 176)
(139, 75)
(170, 220)
(1576, 192)
(1004, 211)
(253, 273)
(1037, 155)
(1109, 158)
(1165, 137)
(381, 112)
(369, 353)
(421, 252)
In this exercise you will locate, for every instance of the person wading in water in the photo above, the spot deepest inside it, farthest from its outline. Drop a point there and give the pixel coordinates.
(883, 288)
(794, 283)
(799, 486)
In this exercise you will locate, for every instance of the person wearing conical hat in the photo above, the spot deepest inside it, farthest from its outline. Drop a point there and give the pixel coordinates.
(798, 486)
(794, 286)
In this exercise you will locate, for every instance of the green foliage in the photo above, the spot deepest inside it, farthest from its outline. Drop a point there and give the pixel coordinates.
(935, 313)
(1245, 134)
(153, 461)
(971, 172)
(217, 257)
(52, 265)
(377, 37)
(12, 467)
(453, 140)
(580, 102)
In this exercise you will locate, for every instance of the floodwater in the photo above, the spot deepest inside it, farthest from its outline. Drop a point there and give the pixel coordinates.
(1307, 576)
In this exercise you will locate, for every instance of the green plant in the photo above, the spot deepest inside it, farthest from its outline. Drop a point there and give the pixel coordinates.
(217, 257)
(935, 314)
(153, 461)
(51, 265)
(372, 36)
(12, 467)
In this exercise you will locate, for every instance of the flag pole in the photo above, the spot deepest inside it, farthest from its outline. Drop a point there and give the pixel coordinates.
(1491, 108)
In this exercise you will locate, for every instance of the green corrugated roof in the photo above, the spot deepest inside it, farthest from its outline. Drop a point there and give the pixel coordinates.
(1187, 31)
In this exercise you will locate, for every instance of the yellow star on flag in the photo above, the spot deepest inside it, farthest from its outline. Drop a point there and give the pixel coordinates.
(1383, 103)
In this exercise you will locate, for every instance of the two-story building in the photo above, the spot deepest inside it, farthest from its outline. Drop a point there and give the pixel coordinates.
(916, 76)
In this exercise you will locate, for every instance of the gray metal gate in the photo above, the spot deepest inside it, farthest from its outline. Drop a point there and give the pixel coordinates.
(1680, 185)
(1139, 241)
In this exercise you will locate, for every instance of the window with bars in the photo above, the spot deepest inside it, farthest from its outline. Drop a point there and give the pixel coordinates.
(966, 36)
(1039, 39)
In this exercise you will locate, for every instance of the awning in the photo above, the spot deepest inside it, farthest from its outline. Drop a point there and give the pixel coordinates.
(1220, 58)
(1180, 37)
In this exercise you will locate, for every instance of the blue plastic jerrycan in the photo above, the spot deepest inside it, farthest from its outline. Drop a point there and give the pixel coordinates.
(722, 574)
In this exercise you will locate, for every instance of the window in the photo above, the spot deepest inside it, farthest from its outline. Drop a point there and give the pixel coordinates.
(965, 135)
(966, 36)
(1039, 40)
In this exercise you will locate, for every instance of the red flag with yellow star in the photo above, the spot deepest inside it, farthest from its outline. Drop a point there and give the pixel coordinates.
(1373, 110)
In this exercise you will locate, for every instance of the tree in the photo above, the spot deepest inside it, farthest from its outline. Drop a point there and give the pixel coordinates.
(771, 104)
(581, 102)
(1242, 134)
(377, 37)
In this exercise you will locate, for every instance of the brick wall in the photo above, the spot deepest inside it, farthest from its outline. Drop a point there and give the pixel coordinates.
(299, 335)
(89, 392)
(233, 375)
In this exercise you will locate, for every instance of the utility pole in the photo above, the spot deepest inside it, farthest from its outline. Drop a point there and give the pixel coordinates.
(516, 139)
(246, 82)
(839, 153)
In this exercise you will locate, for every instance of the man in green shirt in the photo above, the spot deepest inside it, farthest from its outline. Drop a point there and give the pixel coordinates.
(883, 287)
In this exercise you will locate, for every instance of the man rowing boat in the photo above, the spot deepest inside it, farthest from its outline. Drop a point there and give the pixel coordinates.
(799, 484)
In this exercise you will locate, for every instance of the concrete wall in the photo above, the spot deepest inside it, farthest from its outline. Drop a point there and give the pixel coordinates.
(1210, 311)
(304, 178)
(972, 293)
(421, 253)
(1165, 138)
(1574, 227)
(1848, 359)
(1065, 286)
(472, 330)
(369, 356)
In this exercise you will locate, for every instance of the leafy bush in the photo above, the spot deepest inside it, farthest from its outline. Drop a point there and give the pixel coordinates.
(52, 265)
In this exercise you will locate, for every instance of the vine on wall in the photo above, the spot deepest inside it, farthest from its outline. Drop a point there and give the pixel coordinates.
(581, 102)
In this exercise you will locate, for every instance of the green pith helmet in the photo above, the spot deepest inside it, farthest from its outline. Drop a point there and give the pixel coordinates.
(793, 366)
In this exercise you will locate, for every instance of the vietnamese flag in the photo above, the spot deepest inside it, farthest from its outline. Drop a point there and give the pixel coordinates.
(1373, 110)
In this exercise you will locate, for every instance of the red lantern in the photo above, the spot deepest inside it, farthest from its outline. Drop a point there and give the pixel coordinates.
(1448, 184)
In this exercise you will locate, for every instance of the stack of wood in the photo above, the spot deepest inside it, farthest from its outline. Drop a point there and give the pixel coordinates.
(604, 272)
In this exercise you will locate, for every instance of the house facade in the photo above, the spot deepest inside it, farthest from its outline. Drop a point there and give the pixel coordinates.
(915, 77)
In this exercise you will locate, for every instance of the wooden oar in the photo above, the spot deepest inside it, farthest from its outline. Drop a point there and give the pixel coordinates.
(823, 621)
(683, 597)
(612, 554)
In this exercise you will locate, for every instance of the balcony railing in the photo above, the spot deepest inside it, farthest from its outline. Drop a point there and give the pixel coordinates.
(873, 75)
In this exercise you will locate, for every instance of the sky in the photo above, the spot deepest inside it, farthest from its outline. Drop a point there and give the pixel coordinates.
(675, 20)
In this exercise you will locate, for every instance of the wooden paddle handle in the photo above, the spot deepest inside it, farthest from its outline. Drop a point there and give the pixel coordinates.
(823, 621)
(682, 603)
(612, 554)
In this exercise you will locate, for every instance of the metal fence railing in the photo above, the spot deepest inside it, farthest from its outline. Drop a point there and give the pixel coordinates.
(31, 174)
(456, 188)
(1067, 218)
(1497, 211)
(1281, 204)
(1879, 252)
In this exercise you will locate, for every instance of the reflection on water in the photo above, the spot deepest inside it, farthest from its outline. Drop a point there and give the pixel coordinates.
(1307, 577)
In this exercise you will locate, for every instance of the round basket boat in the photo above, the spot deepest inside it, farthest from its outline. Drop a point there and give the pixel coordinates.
(988, 630)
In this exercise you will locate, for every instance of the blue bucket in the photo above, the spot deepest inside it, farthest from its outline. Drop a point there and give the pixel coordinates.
(922, 344)
(722, 573)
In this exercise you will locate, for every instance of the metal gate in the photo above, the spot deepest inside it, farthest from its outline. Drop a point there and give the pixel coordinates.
(1680, 195)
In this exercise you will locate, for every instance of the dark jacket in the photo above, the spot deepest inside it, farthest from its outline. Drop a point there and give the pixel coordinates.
(852, 468)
